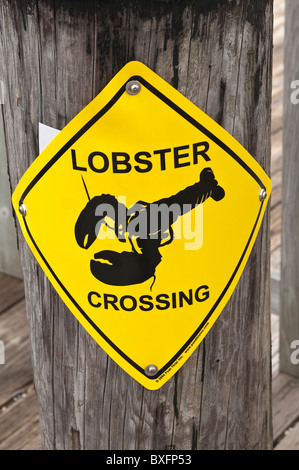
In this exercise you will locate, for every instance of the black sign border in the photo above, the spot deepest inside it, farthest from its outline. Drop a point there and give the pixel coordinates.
(66, 147)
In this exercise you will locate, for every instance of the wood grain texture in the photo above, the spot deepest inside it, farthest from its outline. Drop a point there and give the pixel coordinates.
(289, 325)
(57, 55)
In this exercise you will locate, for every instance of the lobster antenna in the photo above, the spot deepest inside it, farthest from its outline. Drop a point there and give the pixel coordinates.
(85, 188)
(153, 281)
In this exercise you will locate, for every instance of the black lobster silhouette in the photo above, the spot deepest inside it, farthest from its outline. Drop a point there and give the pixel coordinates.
(138, 265)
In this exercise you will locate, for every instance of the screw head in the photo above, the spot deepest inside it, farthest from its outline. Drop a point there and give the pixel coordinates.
(133, 87)
(263, 194)
(151, 370)
(22, 209)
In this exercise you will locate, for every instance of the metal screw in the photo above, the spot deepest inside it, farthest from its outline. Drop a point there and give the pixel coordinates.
(263, 195)
(22, 209)
(151, 370)
(133, 87)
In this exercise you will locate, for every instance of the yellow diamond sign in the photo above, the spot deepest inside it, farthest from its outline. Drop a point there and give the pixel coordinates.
(143, 212)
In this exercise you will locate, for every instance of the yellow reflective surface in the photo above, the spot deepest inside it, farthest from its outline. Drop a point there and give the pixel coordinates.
(150, 147)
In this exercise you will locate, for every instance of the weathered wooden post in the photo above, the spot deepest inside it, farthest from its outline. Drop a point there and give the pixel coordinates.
(289, 301)
(56, 56)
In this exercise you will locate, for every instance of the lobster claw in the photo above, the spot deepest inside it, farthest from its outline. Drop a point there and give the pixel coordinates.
(93, 216)
(210, 186)
(125, 268)
(85, 228)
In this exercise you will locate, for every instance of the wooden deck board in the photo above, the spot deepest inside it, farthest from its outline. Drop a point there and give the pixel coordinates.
(290, 441)
(11, 291)
(17, 370)
(285, 390)
(19, 423)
